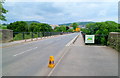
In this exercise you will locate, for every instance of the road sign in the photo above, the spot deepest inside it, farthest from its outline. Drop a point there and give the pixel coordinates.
(89, 38)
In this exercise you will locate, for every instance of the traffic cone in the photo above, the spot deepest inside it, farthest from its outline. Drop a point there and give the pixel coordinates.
(51, 62)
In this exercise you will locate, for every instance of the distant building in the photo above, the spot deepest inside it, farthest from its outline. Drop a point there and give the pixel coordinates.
(82, 26)
(70, 27)
(53, 26)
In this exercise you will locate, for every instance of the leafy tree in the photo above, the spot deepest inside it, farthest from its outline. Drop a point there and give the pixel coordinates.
(70, 30)
(40, 27)
(45, 27)
(118, 28)
(67, 28)
(34, 27)
(62, 28)
(57, 29)
(2, 11)
(18, 26)
(101, 29)
(22, 26)
(74, 25)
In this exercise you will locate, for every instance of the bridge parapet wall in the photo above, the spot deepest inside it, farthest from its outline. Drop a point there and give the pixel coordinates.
(114, 40)
(6, 35)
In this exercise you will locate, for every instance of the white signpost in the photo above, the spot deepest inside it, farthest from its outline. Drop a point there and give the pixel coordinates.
(89, 38)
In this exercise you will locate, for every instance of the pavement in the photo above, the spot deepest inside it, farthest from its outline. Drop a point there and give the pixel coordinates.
(78, 59)
(87, 60)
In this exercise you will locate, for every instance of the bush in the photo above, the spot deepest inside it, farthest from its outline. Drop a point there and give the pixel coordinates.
(101, 29)
(70, 30)
(18, 36)
(103, 41)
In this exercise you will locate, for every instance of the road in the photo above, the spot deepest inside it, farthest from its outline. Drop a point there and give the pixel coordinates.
(31, 59)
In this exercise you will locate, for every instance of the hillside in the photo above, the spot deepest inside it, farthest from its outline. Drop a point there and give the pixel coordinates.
(29, 22)
(79, 23)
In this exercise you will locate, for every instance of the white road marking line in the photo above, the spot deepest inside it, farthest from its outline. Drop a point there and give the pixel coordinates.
(57, 64)
(95, 46)
(24, 51)
(68, 44)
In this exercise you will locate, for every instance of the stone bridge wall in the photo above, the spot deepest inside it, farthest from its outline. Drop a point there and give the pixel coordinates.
(114, 40)
(6, 35)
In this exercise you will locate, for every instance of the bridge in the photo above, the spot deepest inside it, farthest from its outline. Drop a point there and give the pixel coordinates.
(71, 58)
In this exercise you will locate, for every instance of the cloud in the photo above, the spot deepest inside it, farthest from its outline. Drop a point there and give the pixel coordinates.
(62, 0)
(61, 12)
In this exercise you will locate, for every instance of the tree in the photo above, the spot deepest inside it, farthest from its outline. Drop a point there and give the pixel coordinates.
(74, 25)
(34, 27)
(62, 28)
(18, 26)
(101, 29)
(70, 30)
(45, 27)
(67, 28)
(57, 29)
(2, 11)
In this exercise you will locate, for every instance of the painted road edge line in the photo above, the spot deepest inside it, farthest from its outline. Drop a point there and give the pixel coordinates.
(62, 56)
(24, 51)
(57, 63)
(68, 44)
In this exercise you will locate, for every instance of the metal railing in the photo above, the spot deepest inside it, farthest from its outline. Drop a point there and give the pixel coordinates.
(32, 35)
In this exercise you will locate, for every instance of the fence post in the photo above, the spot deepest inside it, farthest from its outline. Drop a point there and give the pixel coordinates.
(23, 35)
(43, 34)
(32, 36)
(38, 35)
(51, 33)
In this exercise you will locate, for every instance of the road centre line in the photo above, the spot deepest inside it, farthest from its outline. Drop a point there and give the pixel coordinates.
(24, 51)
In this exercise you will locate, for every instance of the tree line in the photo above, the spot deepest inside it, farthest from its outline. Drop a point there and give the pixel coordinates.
(23, 26)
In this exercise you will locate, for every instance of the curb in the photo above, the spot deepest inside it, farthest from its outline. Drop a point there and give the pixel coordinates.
(73, 40)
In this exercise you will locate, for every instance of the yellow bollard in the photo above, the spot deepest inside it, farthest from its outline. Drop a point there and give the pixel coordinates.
(51, 62)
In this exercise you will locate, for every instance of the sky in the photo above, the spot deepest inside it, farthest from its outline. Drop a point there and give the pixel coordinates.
(59, 12)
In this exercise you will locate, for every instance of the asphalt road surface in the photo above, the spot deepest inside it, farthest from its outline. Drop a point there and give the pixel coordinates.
(31, 59)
